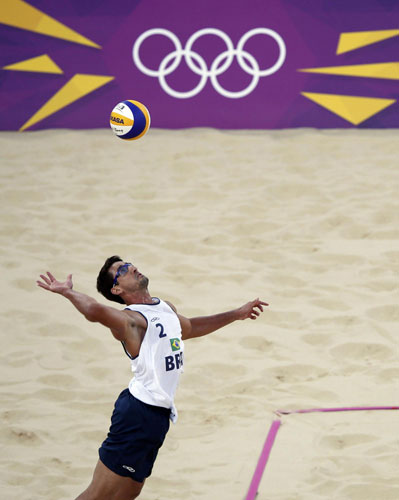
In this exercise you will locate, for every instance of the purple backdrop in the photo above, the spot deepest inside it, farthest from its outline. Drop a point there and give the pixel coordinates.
(212, 93)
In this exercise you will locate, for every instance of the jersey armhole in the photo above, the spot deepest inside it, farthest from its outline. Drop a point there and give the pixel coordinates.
(123, 343)
(127, 352)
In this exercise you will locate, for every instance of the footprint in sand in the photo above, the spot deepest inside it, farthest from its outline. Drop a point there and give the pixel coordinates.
(219, 370)
(363, 490)
(59, 380)
(295, 373)
(317, 339)
(54, 360)
(385, 313)
(342, 441)
(331, 304)
(256, 344)
(21, 436)
(23, 316)
(388, 374)
(360, 352)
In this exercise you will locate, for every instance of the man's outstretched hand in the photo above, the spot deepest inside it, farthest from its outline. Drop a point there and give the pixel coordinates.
(52, 285)
(251, 310)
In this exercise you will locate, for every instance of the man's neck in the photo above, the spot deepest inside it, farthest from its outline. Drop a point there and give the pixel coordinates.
(140, 297)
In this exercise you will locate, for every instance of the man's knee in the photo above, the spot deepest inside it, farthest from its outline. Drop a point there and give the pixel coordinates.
(88, 496)
(94, 494)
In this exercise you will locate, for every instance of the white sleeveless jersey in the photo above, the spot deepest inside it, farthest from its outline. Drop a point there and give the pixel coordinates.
(159, 364)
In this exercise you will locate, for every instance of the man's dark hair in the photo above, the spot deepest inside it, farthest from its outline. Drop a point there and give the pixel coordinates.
(105, 280)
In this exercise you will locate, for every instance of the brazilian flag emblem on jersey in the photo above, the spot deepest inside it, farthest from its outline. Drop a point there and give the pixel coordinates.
(175, 343)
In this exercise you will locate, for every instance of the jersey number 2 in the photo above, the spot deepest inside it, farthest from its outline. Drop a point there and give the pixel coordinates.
(161, 334)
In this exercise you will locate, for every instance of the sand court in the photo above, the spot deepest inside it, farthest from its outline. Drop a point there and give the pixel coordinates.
(306, 219)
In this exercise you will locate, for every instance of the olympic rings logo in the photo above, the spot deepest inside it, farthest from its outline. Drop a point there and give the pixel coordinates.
(220, 64)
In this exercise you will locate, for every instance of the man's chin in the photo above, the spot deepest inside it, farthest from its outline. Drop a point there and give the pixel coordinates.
(144, 281)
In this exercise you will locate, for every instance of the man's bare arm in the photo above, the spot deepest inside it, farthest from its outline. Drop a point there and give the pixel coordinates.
(203, 325)
(122, 324)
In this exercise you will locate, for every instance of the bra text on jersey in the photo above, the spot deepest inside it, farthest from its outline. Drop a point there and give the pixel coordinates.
(174, 362)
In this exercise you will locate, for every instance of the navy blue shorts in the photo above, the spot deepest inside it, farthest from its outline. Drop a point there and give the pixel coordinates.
(137, 432)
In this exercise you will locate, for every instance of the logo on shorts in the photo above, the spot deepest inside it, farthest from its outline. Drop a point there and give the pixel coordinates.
(175, 343)
(130, 469)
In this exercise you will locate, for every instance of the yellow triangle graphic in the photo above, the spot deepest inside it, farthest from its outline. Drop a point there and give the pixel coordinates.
(39, 64)
(77, 87)
(20, 14)
(358, 39)
(351, 108)
(389, 71)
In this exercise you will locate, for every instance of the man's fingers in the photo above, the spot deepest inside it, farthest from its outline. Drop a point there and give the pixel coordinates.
(259, 304)
(252, 309)
(45, 279)
(51, 276)
(43, 285)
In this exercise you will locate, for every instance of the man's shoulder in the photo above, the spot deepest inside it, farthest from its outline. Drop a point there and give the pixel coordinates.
(171, 306)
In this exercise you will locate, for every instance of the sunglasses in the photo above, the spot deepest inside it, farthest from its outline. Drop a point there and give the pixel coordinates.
(122, 270)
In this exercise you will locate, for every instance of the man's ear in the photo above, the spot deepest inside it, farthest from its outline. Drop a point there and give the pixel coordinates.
(116, 290)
